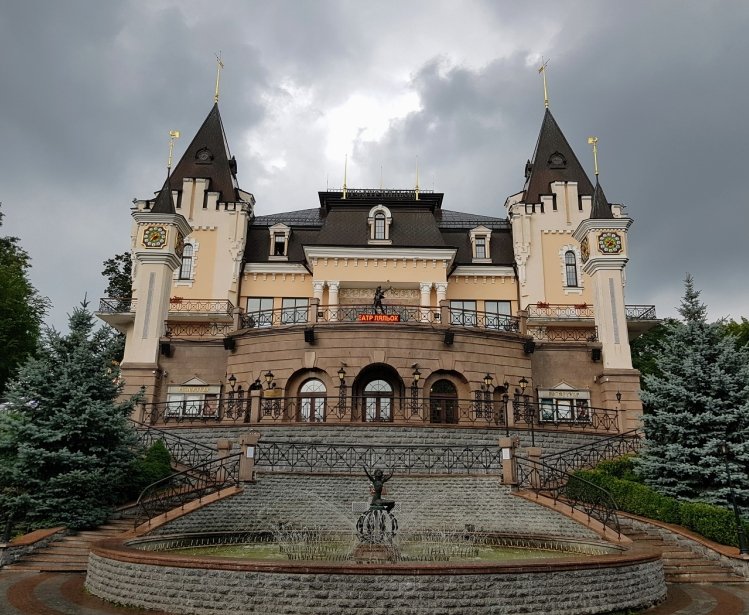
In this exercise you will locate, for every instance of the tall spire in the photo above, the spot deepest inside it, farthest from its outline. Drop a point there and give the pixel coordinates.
(219, 66)
(163, 203)
(553, 160)
(542, 70)
(345, 172)
(594, 142)
(173, 134)
(417, 178)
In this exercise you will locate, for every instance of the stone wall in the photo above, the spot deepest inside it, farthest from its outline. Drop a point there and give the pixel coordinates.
(331, 502)
(589, 588)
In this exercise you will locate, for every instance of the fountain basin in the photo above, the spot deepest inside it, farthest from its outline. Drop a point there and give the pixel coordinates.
(590, 577)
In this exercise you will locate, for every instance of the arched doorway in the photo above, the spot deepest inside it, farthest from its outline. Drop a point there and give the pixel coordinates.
(312, 396)
(378, 401)
(443, 402)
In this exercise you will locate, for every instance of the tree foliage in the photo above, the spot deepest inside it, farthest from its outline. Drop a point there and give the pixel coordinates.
(118, 271)
(22, 309)
(66, 446)
(697, 400)
(739, 330)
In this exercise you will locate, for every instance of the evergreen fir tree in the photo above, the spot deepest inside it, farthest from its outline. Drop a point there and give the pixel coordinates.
(697, 400)
(66, 446)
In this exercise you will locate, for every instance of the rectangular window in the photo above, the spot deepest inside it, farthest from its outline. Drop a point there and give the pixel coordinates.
(294, 311)
(279, 244)
(463, 313)
(260, 311)
(565, 410)
(191, 405)
(497, 315)
(480, 247)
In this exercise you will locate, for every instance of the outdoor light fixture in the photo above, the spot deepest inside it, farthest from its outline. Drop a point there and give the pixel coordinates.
(416, 374)
(232, 381)
(618, 397)
(523, 384)
(341, 374)
(488, 380)
(269, 377)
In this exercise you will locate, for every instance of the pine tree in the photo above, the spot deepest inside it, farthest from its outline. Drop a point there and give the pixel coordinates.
(697, 401)
(66, 447)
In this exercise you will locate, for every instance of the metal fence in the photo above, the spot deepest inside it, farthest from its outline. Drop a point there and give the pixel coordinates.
(184, 452)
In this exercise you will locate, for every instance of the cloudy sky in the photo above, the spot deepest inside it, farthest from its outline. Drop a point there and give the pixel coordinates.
(89, 91)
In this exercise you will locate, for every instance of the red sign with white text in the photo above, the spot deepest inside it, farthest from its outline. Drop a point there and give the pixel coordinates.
(379, 318)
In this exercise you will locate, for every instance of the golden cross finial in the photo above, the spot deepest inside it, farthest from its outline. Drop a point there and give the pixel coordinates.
(542, 70)
(345, 172)
(594, 142)
(173, 135)
(417, 178)
(219, 66)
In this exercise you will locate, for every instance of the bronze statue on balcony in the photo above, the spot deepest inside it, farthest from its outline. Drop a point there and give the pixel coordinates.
(378, 297)
(378, 484)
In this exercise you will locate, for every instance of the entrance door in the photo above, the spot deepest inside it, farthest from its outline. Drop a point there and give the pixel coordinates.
(443, 402)
(378, 401)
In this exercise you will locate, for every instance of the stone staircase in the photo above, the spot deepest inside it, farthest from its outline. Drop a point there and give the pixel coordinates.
(680, 563)
(69, 554)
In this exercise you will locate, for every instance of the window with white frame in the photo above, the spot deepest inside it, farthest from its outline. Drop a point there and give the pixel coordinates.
(463, 313)
(379, 221)
(279, 242)
(260, 311)
(564, 405)
(185, 269)
(198, 405)
(312, 397)
(570, 268)
(294, 310)
(481, 244)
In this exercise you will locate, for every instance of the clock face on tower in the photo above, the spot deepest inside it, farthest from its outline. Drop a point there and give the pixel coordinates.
(584, 250)
(610, 243)
(154, 237)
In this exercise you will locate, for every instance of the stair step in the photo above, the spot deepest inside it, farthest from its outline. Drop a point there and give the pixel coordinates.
(38, 559)
(63, 551)
(704, 577)
(75, 567)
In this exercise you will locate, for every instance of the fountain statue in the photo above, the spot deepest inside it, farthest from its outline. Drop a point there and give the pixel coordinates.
(376, 528)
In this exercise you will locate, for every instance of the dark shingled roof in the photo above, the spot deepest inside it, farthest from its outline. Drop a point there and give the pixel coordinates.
(301, 217)
(163, 203)
(553, 160)
(208, 156)
(601, 209)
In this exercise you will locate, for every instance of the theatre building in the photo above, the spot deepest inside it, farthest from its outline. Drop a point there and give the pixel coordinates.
(381, 306)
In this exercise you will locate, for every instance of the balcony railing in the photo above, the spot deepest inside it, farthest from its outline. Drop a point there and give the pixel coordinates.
(563, 311)
(563, 334)
(640, 312)
(205, 306)
(117, 305)
(197, 329)
(481, 411)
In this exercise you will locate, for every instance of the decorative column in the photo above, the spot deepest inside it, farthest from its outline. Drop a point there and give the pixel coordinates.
(317, 289)
(441, 291)
(426, 300)
(333, 299)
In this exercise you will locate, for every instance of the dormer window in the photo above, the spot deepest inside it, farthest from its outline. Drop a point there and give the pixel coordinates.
(379, 221)
(279, 242)
(481, 244)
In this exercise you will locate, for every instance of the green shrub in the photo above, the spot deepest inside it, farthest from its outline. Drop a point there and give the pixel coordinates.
(620, 467)
(153, 465)
(712, 522)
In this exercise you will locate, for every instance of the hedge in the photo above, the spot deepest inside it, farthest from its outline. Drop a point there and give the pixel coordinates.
(712, 522)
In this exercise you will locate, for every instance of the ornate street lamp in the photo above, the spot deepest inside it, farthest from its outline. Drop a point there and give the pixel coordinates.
(743, 545)
(527, 409)
(415, 390)
(232, 380)
(341, 390)
(269, 378)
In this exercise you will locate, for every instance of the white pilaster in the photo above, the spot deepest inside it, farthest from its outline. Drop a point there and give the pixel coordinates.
(333, 299)
(426, 299)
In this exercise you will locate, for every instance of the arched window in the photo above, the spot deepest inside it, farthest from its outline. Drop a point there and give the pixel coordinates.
(378, 401)
(379, 225)
(443, 402)
(570, 268)
(312, 397)
(185, 270)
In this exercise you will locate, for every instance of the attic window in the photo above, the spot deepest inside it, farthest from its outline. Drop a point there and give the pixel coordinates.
(279, 242)
(379, 221)
(557, 161)
(481, 244)
(204, 156)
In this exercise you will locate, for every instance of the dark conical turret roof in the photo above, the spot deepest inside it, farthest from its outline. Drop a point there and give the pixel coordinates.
(208, 156)
(553, 160)
(601, 210)
(163, 203)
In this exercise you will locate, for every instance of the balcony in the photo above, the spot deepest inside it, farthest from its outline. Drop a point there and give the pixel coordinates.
(574, 322)
(212, 315)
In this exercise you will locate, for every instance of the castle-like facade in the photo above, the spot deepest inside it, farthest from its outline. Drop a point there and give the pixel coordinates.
(375, 306)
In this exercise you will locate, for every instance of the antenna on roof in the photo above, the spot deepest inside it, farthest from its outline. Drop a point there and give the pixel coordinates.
(173, 135)
(542, 70)
(345, 172)
(417, 178)
(219, 66)
(594, 142)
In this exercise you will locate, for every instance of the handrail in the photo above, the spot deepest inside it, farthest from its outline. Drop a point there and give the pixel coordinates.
(209, 306)
(574, 491)
(117, 305)
(589, 455)
(189, 485)
(183, 451)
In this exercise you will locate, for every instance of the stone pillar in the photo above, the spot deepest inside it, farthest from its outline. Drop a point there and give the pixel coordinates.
(248, 444)
(509, 467)
(224, 450)
(314, 306)
(445, 312)
(534, 456)
(317, 289)
(333, 300)
(236, 315)
(256, 398)
(426, 300)
(523, 322)
(441, 291)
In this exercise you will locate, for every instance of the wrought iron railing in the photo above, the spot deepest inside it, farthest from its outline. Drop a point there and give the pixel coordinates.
(350, 458)
(208, 306)
(577, 493)
(234, 408)
(275, 318)
(117, 305)
(193, 484)
(198, 329)
(483, 320)
(559, 310)
(587, 456)
(184, 452)
(527, 413)
(640, 312)
(563, 334)
(368, 313)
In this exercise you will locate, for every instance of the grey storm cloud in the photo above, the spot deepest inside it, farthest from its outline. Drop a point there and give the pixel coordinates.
(90, 90)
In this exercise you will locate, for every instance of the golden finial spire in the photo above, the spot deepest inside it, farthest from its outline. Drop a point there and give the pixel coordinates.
(594, 142)
(380, 177)
(542, 70)
(173, 135)
(417, 178)
(219, 66)
(345, 172)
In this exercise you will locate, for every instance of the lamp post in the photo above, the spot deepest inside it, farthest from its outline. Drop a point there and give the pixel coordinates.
(527, 409)
(488, 389)
(415, 390)
(341, 391)
(743, 545)
(232, 380)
